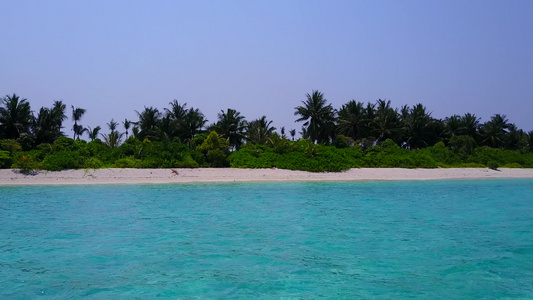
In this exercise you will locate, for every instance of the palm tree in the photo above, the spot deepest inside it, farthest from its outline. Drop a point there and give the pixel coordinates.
(513, 137)
(93, 133)
(191, 124)
(148, 122)
(353, 121)
(292, 132)
(113, 139)
(419, 128)
(186, 123)
(79, 130)
(259, 131)
(112, 125)
(493, 132)
(231, 125)
(318, 118)
(177, 110)
(77, 113)
(127, 125)
(453, 126)
(15, 117)
(530, 141)
(386, 123)
(166, 130)
(47, 125)
(469, 125)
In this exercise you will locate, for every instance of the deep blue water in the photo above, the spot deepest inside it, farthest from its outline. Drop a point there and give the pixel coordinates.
(358, 240)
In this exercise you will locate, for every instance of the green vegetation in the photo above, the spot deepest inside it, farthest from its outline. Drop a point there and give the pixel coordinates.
(356, 135)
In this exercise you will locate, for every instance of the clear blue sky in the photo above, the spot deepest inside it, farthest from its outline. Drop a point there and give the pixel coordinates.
(262, 57)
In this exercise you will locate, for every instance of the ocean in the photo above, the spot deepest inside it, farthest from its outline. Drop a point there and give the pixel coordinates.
(336, 240)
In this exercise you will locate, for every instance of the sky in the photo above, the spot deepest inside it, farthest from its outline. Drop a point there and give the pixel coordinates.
(113, 58)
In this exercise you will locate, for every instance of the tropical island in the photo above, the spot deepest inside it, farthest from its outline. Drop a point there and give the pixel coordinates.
(355, 135)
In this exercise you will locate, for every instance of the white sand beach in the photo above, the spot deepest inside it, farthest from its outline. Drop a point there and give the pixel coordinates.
(147, 176)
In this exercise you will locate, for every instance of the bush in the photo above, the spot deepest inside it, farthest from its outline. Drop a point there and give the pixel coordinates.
(64, 144)
(61, 160)
(493, 165)
(442, 156)
(25, 164)
(462, 145)
(155, 163)
(513, 165)
(301, 155)
(486, 155)
(5, 159)
(93, 163)
(217, 158)
(10, 145)
(129, 162)
(26, 141)
(469, 165)
(185, 162)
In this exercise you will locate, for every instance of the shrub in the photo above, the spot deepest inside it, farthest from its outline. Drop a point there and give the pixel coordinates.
(93, 163)
(493, 165)
(187, 162)
(129, 162)
(442, 156)
(513, 165)
(61, 160)
(64, 144)
(217, 158)
(155, 162)
(25, 164)
(462, 145)
(5, 159)
(470, 165)
(10, 146)
(26, 141)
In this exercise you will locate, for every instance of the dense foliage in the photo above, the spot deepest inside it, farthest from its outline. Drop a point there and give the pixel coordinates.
(356, 135)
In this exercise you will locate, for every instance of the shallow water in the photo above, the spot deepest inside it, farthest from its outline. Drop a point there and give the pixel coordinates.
(358, 240)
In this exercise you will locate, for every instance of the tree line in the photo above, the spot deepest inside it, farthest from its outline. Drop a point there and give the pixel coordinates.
(29, 137)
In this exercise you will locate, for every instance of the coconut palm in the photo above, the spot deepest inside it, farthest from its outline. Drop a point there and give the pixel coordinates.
(77, 113)
(113, 139)
(191, 125)
(166, 130)
(186, 123)
(386, 122)
(493, 132)
(469, 125)
(93, 133)
(231, 125)
(419, 127)
(177, 110)
(292, 132)
(259, 131)
(353, 121)
(513, 137)
(15, 117)
(148, 122)
(453, 126)
(112, 125)
(46, 127)
(529, 137)
(127, 125)
(318, 118)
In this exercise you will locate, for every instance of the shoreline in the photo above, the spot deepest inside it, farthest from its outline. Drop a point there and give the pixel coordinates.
(11, 177)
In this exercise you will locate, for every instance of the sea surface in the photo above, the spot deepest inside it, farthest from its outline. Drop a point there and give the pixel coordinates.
(345, 240)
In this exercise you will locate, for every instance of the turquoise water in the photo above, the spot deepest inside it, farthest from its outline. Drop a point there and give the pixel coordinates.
(359, 240)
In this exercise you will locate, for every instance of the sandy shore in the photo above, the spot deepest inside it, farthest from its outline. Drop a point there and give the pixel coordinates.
(139, 176)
